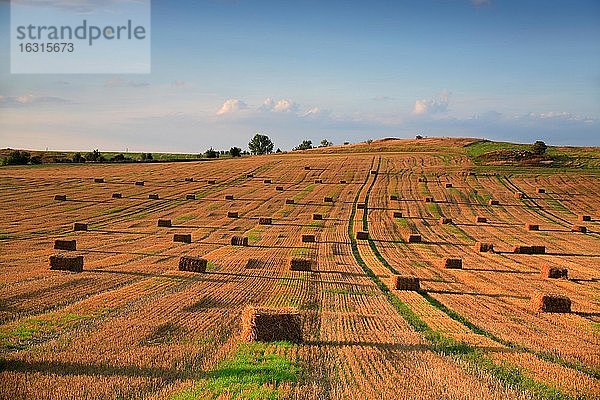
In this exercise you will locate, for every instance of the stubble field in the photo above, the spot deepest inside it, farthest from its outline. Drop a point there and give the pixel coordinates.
(131, 325)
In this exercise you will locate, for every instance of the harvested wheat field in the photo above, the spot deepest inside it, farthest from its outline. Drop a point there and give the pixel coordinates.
(132, 324)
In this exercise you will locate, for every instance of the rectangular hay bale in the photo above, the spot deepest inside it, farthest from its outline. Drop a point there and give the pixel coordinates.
(428, 199)
(153, 196)
(233, 214)
(328, 199)
(579, 228)
(211, 182)
(448, 185)
(228, 197)
(190, 197)
(540, 190)
(317, 217)
(493, 202)
(584, 218)
(393, 197)
(452, 263)
(362, 235)
(192, 264)
(361, 206)
(70, 245)
(397, 214)
(98, 180)
(551, 303)
(239, 241)
(289, 201)
(401, 282)
(265, 221)
(413, 238)
(318, 180)
(279, 188)
(140, 183)
(60, 197)
(480, 220)
(117, 196)
(445, 221)
(164, 223)
(553, 272)
(481, 247)
(61, 262)
(182, 238)
(306, 238)
(267, 181)
(261, 324)
(532, 227)
(80, 226)
(343, 182)
(189, 179)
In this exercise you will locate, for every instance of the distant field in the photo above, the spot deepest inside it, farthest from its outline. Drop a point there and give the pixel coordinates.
(131, 325)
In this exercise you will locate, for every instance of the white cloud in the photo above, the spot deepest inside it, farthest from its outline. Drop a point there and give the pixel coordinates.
(436, 105)
(285, 105)
(231, 106)
(29, 100)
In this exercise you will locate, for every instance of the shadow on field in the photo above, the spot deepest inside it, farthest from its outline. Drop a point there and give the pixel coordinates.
(587, 314)
(109, 231)
(573, 255)
(137, 253)
(494, 295)
(400, 346)
(423, 242)
(72, 368)
(504, 271)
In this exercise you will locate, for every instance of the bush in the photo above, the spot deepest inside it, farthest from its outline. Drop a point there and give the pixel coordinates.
(211, 153)
(78, 158)
(539, 148)
(146, 156)
(94, 156)
(235, 152)
(36, 160)
(325, 143)
(17, 157)
(305, 145)
(118, 158)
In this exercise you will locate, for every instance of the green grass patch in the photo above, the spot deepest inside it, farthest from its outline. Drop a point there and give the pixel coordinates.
(254, 234)
(13, 335)
(255, 371)
(135, 217)
(113, 210)
(304, 192)
(187, 217)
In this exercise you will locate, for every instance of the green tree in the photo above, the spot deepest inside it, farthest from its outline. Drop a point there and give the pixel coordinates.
(235, 152)
(17, 157)
(211, 153)
(78, 158)
(260, 144)
(35, 160)
(305, 145)
(325, 143)
(94, 156)
(539, 148)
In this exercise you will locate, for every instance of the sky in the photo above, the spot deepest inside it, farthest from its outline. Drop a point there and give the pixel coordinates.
(223, 70)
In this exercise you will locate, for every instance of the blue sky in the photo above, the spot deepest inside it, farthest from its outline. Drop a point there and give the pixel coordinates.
(340, 70)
